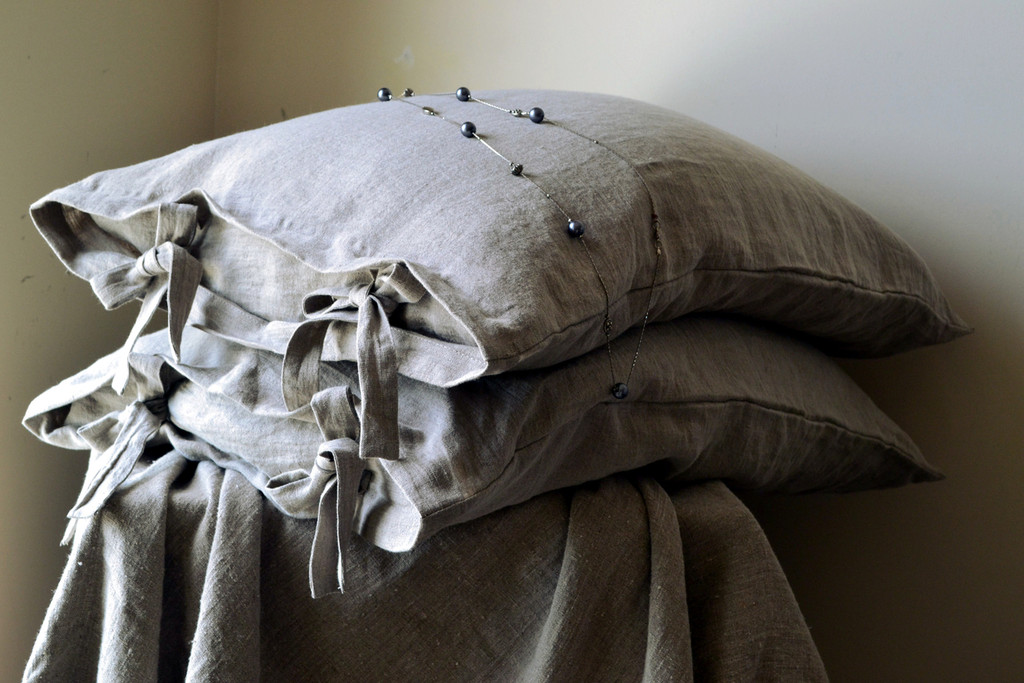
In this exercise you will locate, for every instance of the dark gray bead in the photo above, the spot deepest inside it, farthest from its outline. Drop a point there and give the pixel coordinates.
(576, 228)
(408, 92)
(620, 390)
(383, 94)
(516, 169)
(364, 481)
(536, 114)
(463, 94)
(469, 129)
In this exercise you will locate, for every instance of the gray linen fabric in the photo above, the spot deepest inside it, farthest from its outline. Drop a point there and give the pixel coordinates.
(188, 574)
(376, 234)
(720, 399)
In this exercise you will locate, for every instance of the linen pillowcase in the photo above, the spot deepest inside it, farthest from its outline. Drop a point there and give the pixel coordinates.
(717, 399)
(376, 225)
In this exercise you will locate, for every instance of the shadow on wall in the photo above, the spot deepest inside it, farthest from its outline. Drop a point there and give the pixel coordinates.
(924, 582)
(915, 118)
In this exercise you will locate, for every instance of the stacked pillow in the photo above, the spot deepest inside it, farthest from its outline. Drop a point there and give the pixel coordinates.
(446, 323)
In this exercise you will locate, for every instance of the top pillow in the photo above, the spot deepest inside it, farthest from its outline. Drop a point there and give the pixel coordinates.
(452, 236)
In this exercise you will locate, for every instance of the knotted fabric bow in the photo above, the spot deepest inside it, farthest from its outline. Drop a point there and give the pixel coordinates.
(339, 459)
(166, 272)
(119, 440)
(374, 293)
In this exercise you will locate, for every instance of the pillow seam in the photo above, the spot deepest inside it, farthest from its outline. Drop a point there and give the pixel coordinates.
(904, 455)
(946, 320)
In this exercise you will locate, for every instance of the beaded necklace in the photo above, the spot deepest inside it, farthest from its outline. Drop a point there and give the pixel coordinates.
(574, 228)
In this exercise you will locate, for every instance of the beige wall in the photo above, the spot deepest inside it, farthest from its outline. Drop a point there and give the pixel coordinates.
(912, 109)
(83, 86)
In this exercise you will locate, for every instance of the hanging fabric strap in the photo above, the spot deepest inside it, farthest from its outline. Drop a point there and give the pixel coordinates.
(334, 518)
(166, 273)
(119, 439)
(340, 459)
(123, 438)
(355, 432)
(374, 295)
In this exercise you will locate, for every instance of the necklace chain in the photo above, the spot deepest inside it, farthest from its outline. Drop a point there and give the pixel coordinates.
(575, 228)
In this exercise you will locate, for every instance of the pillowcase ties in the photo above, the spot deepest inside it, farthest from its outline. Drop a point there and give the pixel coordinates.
(166, 272)
(374, 293)
(341, 453)
(119, 429)
(118, 441)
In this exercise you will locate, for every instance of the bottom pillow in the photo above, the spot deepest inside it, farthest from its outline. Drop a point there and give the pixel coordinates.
(711, 398)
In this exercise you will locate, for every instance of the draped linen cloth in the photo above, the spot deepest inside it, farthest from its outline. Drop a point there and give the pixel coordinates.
(188, 573)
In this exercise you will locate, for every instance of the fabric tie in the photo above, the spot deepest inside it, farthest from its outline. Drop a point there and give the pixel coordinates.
(166, 272)
(335, 514)
(132, 428)
(340, 459)
(374, 294)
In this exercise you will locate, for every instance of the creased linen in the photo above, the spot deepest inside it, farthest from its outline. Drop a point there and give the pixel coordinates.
(188, 574)
(713, 407)
(504, 286)
(410, 251)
